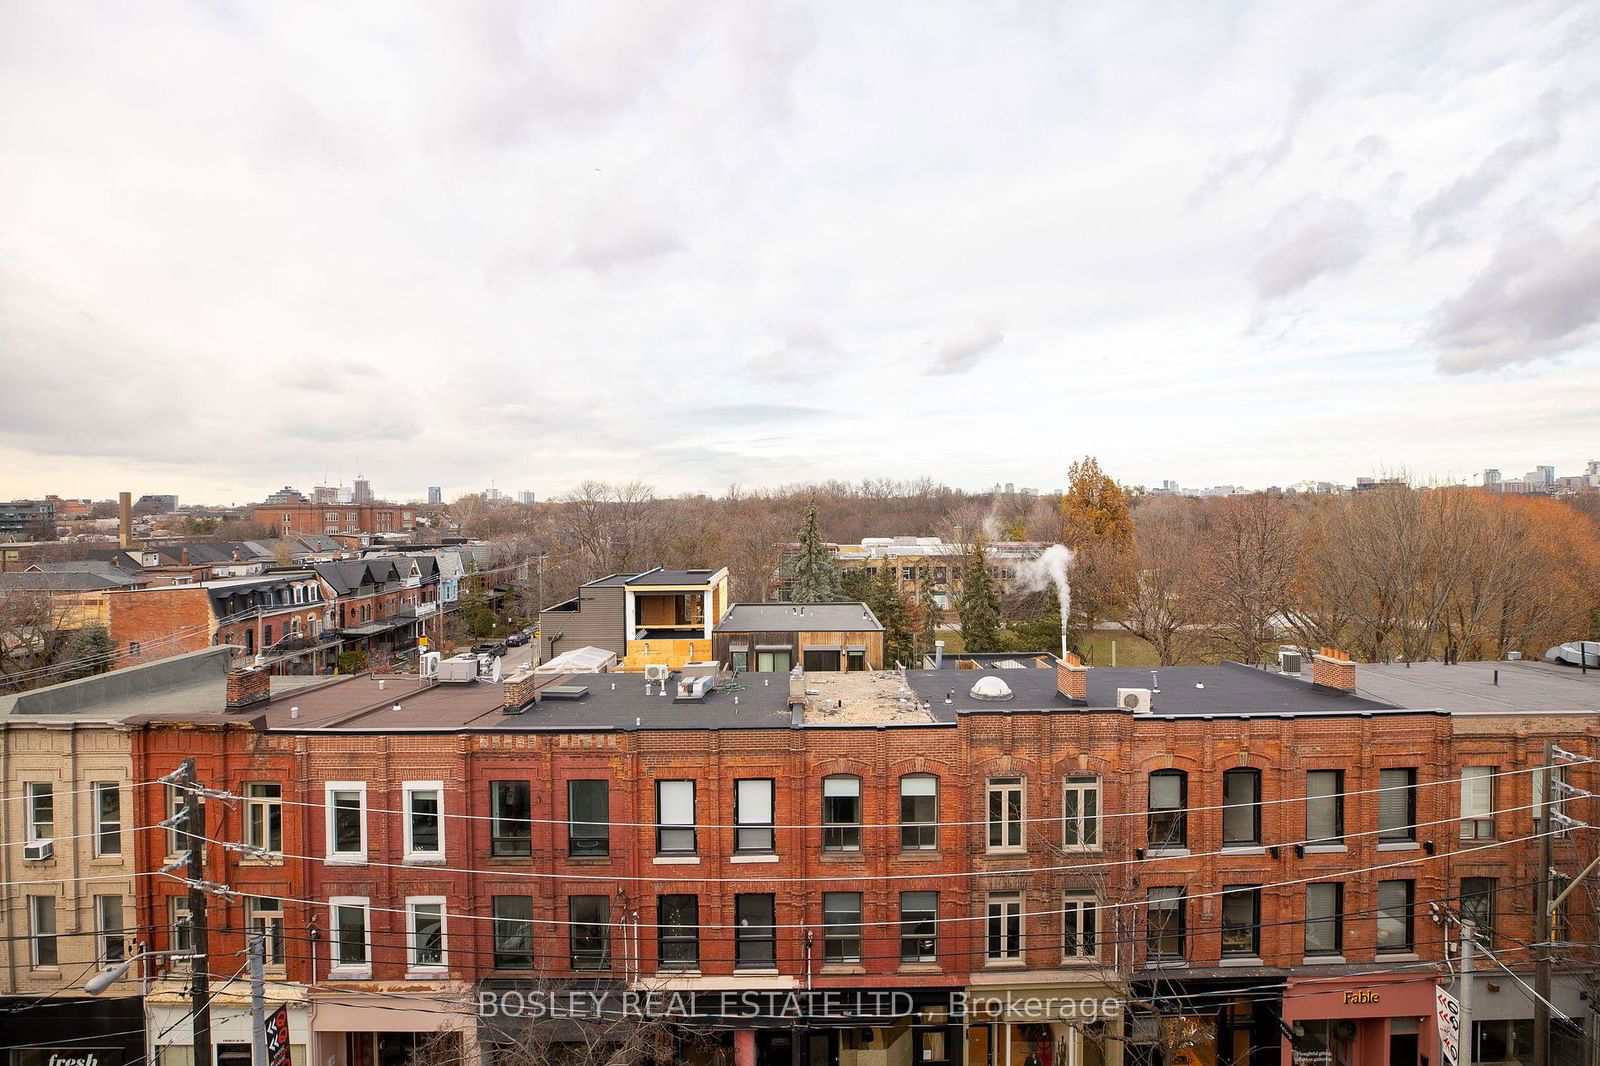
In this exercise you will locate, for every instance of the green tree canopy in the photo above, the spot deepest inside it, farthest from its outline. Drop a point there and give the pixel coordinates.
(815, 580)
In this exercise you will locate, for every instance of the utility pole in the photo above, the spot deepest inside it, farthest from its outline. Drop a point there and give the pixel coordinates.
(1469, 941)
(1542, 931)
(258, 995)
(194, 830)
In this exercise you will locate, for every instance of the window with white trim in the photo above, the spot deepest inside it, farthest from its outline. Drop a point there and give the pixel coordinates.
(110, 943)
(347, 821)
(263, 822)
(1080, 812)
(752, 814)
(177, 836)
(180, 928)
(1080, 926)
(1005, 813)
(264, 917)
(841, 813)
(1004, 926)
(1477, 803)
(351, 942)
(424, 820)
(41, 810)
(42, 930)
(107, 818)
(425, 932)
(919, 812)
(675, 818)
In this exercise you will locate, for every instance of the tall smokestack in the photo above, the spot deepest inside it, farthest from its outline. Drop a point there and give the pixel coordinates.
(124, 519)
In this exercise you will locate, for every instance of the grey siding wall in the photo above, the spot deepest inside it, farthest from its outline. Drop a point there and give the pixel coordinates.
(598, 623)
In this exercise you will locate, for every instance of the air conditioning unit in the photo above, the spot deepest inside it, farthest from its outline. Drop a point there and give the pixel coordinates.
(1289, 660)
(39, 850)
(1136, 700)
(657, 671)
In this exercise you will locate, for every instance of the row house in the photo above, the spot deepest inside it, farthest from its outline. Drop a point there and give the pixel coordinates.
(1212, 865)
(281, 615)
(382, 604)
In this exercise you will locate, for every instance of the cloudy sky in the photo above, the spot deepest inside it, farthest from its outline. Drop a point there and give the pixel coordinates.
(714, 243)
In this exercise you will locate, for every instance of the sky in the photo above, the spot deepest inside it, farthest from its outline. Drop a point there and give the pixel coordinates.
(707, 244)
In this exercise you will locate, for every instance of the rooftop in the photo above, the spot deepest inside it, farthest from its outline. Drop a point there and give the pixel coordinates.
(660, 576)
(844, 617)
(1470, 688)
(67, 581)
(862, 697)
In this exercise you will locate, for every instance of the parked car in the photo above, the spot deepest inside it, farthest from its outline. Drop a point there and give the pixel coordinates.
(516, 640)
(493, 647)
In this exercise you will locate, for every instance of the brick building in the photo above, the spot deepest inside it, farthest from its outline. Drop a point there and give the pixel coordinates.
(1217, 865)
(281, 614)
(301, 517)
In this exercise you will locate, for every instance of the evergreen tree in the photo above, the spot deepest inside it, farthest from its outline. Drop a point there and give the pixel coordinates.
(980, 603)
(857, 584)
(890, 607)
(815, 580)
(91, 650)
(929, 613)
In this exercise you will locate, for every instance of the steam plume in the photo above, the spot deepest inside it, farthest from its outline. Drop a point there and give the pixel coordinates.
(1050, 568)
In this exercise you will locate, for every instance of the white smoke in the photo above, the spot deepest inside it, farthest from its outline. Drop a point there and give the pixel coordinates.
(1048, 569)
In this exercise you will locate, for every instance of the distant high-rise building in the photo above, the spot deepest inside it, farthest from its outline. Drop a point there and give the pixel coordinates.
(362, 491)
(287, 494)
(435, 494)
(1546, 474)
(1491, 476)
(325, 494)
(525, 496)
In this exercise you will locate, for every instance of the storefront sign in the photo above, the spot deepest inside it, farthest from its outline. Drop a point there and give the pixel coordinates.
(1448, 1010)
(278, 1037)
(1362, 995)
(67, 1056)
(1323, 1057)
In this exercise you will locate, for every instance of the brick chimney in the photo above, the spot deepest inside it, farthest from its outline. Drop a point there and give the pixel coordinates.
(124, 519)
(1332, 668)
(248, 686)
(518, 689)
(1072, 678)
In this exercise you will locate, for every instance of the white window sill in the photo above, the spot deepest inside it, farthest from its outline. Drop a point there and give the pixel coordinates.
(675, 860)
(427, 859)
(428, 973)
(261, 860)
(1166, 853)
(1241, 960)
(1323, 960)
(350, 973)
(1006, 852)
(1004, 964)
(1399, 845)
(1166, 964)
(755, 971)
(1243, 849)
(1081, 960)
(752, 858)
(345, 860)
(1398, 956)
(1326, 849)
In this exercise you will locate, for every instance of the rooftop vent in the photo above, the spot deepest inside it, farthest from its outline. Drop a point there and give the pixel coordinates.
(563, 692)
(990, 687)
(695, 687)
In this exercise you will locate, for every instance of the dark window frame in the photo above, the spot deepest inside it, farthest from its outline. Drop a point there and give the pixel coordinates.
(512, 934)
(509, 835)
(1168, 827)
(748, 836)
(678, 931)
(841, 816)
(1404, 833)
(589, 937)
(588, 838)
(1251, 777)
(1407, 917)
(1251, 930)
(919, 927)
(674, 831)
(755, 943)
(1175, 929)
(918, 833)
(1336, 797)
(1335, 919)
(841, 928)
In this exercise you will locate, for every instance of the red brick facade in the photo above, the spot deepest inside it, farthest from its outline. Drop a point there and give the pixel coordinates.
(298, 519)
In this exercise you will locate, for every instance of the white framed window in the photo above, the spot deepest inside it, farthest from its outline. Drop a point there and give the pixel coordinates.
(263, 823)
(1477, 803)
(1080, 813)
(841, 813)
(425, 932)
(424, 821)
(41, 810)
(752, 814)
(675, 834)
(107, 818)
(350, 950)
(919, 812)
(264, 916)
(1005, 814)
(1080, 926)
(42, 930)
(346, 811)
(1004, 927)
(181, 935)
(110, 943)
(177, 842)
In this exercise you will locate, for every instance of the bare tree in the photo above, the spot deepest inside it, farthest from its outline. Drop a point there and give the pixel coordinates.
(1166, 605)
(1251, 547)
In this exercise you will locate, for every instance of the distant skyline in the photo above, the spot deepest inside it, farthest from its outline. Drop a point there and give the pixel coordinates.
(705, 244)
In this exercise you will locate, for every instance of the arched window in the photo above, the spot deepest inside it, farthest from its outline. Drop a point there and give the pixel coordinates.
(1241, 807)
(919, 812)
(841, 813)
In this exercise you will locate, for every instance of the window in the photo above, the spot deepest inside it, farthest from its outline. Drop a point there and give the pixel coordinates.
(1005, 813)
(1004, 927)
(352, 946)
(513, 932)
(773, 660)
(178, 835)
(1325, 918)
(590, 931)
(919, 927)
(133, 649)
(41, 811)
(1477, 904)
(588, 818)
(1394, 916)
(181, 929)
(1080, 932)
(1397, 804)
(1477, 803)
(919, 812)
(1560, 928)
(264, 916)
(1324, 806)
(109, 942)
(425, 932)
(42, 929)
(754, 936)
(841, 927)
(1080, 813)
(752, 814)
(263, 821)
(1166, 934)
(1241, 922)
(107, 818)
(739, 659)
(510, 818)
(1559, 775)
(841, 813)
(347, 820)
(1241, 807)
(675, 818)
(424, 820)
(1169, 822)
(678, 919)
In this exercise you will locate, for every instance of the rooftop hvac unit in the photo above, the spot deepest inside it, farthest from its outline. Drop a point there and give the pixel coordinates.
(428, 666)
(1289, 660)
(458, 670)
(657, 671)
(1136, 700)
(39, 850)
(695, 688)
